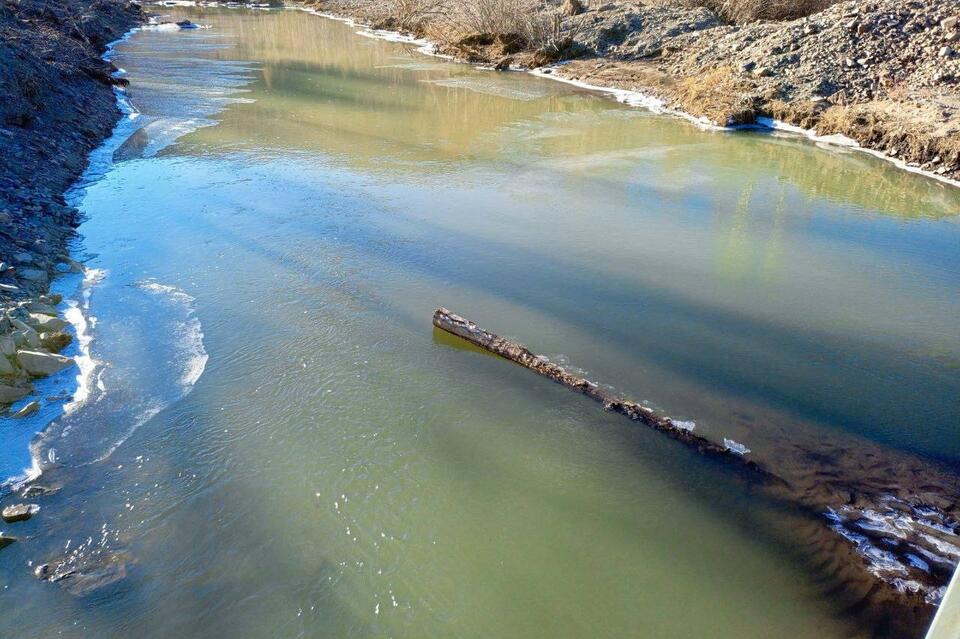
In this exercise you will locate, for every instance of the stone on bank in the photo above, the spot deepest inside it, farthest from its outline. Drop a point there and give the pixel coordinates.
(41, 364)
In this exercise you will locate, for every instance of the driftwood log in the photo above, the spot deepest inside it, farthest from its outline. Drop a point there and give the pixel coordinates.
(519, 354)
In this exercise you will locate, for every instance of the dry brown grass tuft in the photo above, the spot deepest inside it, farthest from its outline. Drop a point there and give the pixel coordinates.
(721, 95)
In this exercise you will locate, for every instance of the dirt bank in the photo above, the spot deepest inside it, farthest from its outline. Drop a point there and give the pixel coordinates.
(884, 73)
(58, 106)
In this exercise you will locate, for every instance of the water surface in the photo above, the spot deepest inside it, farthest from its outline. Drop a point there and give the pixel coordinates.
(281, 445)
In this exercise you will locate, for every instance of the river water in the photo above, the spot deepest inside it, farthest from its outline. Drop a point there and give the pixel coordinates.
(274, 441)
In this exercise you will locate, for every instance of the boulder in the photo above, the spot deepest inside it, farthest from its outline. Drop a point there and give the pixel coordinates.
(27, 410)
(41, 307)
(6, 368)
(83, 576)
(25, 335)
(39, 490)
(34, 275)
(6, 540)
(19, 512)
(11, 394)
(43, 322)
(41, 364)
(8, 288)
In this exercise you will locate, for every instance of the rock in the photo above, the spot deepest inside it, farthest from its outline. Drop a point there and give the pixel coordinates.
(38, 490)
(27, 410)
(948, 23)
(34, 275)
(42, 308)
(83, 575)
(42, 364)
(19, 512)
(81, 584)
(23, 258)
(48, 323)
(25, 335)
(6, 540)
(11, 394)
(504, 64)
(55, 342)
(763, 72)
(6, 368)
(8, 288)
(43, 571)
(52, 299)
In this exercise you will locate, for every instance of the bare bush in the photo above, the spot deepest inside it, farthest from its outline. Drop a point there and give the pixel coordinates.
(491, 16)
(410, 15)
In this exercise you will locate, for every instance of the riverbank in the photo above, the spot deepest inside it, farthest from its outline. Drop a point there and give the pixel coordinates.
(884, 76)
(59, 106)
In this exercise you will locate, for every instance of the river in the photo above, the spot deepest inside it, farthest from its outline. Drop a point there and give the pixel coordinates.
(274, 441)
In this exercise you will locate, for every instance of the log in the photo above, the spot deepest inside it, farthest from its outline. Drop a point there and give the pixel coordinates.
(519, 354)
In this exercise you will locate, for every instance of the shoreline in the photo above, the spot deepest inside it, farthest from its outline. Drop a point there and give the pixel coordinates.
(653, 104)
(662, 94)
(52, 326)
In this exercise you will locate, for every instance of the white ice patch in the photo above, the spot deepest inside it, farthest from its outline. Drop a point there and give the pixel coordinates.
(492, 87)
(735, 447)
(683, 425)
(189, 332)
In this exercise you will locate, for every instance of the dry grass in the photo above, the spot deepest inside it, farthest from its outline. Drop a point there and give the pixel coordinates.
(490, 29)
(745, 11)
(906, 131)
(720, 95)
(409, 15)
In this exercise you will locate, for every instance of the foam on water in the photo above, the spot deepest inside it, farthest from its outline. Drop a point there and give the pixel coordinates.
(78, 314)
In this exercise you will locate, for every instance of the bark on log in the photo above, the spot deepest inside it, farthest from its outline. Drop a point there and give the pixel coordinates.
(519, 354)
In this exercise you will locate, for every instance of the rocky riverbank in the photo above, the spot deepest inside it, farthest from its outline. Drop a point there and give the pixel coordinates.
(58, 106)
(883, 73)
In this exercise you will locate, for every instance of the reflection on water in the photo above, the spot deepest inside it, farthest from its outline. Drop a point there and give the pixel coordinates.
(338, 470)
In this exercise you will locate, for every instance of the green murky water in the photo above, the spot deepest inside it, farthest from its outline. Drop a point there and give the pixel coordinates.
(279, 445)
